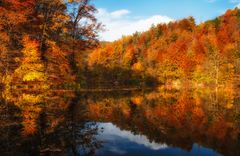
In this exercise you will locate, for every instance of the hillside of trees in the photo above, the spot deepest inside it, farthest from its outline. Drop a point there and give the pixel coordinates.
(55, 43)
(176, 54)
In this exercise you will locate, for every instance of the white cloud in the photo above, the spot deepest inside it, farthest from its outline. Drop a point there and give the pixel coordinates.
(234, 1)
(237, 2)
(119, 23)
(119, 13)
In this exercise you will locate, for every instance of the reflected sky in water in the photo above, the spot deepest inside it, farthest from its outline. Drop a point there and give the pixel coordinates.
(117, 142)
(169, 123)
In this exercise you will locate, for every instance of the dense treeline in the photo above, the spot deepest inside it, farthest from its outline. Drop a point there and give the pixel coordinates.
(39, 40)
(177, 53)
(50, 41)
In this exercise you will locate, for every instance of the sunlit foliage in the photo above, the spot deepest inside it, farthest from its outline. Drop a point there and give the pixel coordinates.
(179, 52)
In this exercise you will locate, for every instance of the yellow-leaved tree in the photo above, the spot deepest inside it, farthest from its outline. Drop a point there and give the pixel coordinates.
(31, 69)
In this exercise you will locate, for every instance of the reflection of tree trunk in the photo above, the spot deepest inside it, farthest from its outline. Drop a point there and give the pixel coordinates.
(42, 126)
(73, 128)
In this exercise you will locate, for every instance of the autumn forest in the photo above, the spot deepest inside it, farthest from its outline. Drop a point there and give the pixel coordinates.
(50, 42)
(172, 89)
(177, 53)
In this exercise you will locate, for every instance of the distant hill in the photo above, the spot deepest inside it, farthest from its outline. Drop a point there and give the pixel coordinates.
(181, 51)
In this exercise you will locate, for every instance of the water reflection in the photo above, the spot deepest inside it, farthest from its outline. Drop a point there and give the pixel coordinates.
(43, 123)
(52, 122)
(121, 142)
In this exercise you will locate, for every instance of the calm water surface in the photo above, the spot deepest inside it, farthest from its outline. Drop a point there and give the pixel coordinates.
(169, 123)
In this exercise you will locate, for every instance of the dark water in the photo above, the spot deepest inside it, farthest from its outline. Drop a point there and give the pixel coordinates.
(169, 123)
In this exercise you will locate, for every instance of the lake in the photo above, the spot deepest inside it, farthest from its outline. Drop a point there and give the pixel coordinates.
(120, 123)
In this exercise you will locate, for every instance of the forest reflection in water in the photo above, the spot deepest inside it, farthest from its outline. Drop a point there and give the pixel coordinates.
(120, 123)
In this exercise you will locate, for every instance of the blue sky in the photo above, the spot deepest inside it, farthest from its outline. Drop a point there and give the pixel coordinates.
(124, 17)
